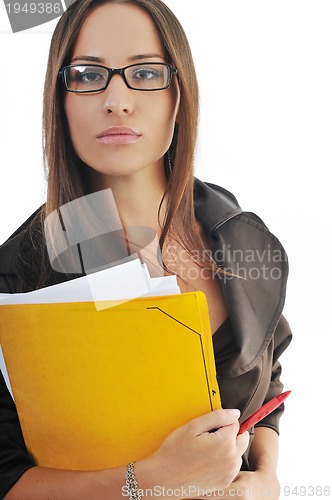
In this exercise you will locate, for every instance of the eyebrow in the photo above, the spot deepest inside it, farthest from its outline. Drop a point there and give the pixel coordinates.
(137, 57)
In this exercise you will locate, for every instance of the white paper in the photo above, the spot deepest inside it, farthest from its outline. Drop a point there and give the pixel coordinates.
(123, 282)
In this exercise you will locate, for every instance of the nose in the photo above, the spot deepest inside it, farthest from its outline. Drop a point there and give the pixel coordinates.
(118, 98)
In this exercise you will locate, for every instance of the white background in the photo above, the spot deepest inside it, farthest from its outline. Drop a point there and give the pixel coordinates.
(266, 121)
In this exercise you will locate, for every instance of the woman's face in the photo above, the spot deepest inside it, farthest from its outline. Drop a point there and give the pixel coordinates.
(115, 36)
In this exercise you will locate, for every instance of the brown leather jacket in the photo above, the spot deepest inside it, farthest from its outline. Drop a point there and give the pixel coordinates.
(247, 346)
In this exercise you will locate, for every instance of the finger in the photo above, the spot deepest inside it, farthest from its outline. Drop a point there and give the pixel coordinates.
(243, 438)
(242, 441)
(214, 420)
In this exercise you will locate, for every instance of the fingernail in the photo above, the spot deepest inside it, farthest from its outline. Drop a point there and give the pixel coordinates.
(234, 412)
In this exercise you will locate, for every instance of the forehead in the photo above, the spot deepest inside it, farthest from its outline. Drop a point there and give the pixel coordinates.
(116, 32)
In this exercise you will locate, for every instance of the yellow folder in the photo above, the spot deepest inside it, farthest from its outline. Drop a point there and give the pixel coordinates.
(99, 388)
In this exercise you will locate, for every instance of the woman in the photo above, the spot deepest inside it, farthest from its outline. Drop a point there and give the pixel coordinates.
(134, 131)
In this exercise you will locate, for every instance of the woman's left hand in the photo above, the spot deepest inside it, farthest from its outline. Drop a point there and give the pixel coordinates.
(248, 485)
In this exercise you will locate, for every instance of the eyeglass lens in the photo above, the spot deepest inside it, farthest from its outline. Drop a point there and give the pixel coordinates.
(140, 76)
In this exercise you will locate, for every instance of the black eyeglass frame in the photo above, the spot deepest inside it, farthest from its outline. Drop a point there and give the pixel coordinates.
(116, 71)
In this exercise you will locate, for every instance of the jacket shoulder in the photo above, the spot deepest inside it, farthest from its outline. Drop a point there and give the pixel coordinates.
(215, 206)
(223, 193)
(9, 249)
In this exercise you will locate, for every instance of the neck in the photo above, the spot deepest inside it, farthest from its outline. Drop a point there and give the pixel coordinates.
(137, 196)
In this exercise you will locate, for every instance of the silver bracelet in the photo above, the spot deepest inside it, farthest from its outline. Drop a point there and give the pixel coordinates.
(131, 482)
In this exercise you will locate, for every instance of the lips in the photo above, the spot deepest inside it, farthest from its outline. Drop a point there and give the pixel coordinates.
(118, 135)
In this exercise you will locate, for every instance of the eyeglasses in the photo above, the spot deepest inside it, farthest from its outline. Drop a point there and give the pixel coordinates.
(94, 78)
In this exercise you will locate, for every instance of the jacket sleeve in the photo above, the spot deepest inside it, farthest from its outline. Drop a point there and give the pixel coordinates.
(282, 338)
(14, 458)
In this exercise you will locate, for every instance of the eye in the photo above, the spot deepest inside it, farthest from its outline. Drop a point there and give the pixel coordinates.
(146, 73)
(88, 76)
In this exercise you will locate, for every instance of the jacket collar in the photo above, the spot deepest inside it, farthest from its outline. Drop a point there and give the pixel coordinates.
(257, 268)
(214, 205)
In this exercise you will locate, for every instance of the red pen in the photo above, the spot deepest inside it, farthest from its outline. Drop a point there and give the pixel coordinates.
(263, 411)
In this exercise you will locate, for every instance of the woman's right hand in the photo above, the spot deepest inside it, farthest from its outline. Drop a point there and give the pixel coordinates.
(196, 456)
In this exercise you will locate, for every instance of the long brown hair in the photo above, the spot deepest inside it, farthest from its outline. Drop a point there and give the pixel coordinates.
(64, 170)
